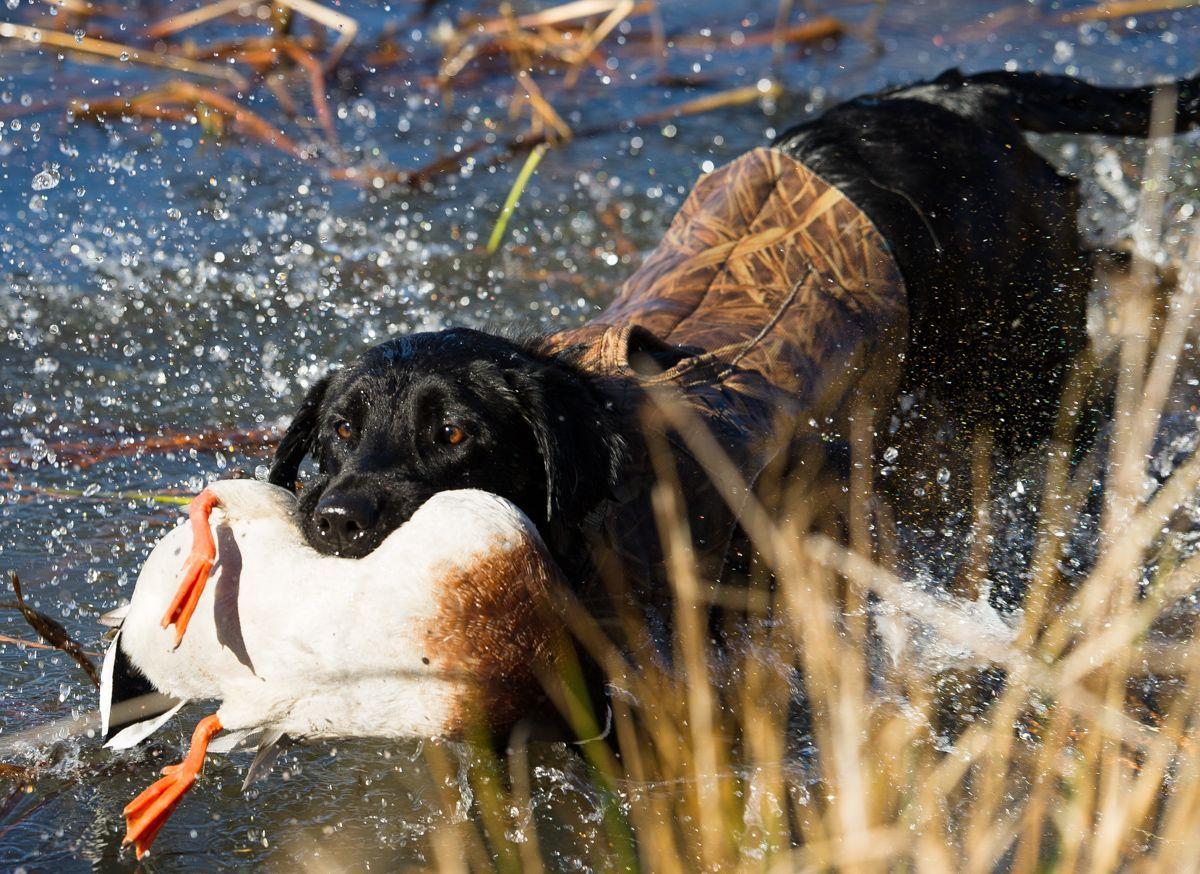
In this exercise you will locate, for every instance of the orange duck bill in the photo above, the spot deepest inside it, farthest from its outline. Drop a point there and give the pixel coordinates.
(149, 812)
(198, 566)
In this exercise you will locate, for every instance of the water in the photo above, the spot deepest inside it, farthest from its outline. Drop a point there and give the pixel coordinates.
(155, 280)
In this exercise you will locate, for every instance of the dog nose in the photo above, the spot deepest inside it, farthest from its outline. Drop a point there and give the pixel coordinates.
(342, 519)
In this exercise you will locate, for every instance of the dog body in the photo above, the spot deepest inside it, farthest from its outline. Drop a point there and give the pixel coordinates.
(984, 307)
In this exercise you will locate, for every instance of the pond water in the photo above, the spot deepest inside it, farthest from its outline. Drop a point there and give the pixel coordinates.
(154, 281)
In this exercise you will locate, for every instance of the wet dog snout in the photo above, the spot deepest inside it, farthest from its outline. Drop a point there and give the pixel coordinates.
(342, 519)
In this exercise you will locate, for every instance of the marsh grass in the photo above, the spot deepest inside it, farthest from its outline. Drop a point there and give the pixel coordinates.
(866, 723)
(849, 719)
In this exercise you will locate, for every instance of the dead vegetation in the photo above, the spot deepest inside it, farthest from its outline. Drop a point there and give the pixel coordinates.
(217, 58)
(297, 50)
(1082, 758)
(1067, 769)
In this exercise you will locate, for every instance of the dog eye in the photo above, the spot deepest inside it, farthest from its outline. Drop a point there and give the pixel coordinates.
(452, 434)
(344, 430)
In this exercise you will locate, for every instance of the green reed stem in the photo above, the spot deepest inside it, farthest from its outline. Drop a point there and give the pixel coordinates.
(510, 204)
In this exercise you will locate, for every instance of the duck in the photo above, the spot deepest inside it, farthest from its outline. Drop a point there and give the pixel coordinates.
(439, 631)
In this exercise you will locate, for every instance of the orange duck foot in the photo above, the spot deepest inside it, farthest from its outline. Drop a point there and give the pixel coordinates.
(196, 570)
(147, 813)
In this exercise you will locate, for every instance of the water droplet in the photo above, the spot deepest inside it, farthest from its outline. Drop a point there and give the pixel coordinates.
(45, 365)
(47, 179)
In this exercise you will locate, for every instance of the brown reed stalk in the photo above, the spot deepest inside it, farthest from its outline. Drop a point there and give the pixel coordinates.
(90, 46)
(1060, 772)
(1123, 9)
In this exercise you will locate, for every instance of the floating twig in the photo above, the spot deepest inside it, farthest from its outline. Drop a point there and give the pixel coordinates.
(86, 453)
(544, 116)
(597, 35)
(91, 46)
(316, 81)
(1125, 8)
(811, 31)
(574, 11)
(192, 18)
(345, 26)
(526, 142)
(33, 644)
(708, 103)
(52, 631)
(543, 36)
(155, 103)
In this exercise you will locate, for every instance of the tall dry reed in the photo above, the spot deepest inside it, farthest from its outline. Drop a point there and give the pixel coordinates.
(835, 736)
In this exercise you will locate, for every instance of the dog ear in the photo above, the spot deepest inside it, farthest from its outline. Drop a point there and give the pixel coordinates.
(300, 437)
(576, 435)
(536, 414)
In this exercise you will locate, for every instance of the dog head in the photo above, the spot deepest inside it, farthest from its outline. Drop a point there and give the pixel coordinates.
(447, 410)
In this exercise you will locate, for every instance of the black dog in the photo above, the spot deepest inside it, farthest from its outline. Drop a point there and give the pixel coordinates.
(448, 410)
(982, 228)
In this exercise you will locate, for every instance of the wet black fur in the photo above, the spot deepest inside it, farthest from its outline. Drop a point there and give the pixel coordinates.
(536, 432)
(982, 227)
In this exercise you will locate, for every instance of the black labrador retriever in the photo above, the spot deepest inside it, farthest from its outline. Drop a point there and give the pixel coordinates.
(981, 227)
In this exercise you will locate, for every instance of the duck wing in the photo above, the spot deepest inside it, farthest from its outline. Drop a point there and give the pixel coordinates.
(134, 734)
(128, 702)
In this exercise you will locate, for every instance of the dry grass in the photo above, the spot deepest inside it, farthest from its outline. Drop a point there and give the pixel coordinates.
(292, 49)
(1066, 768)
